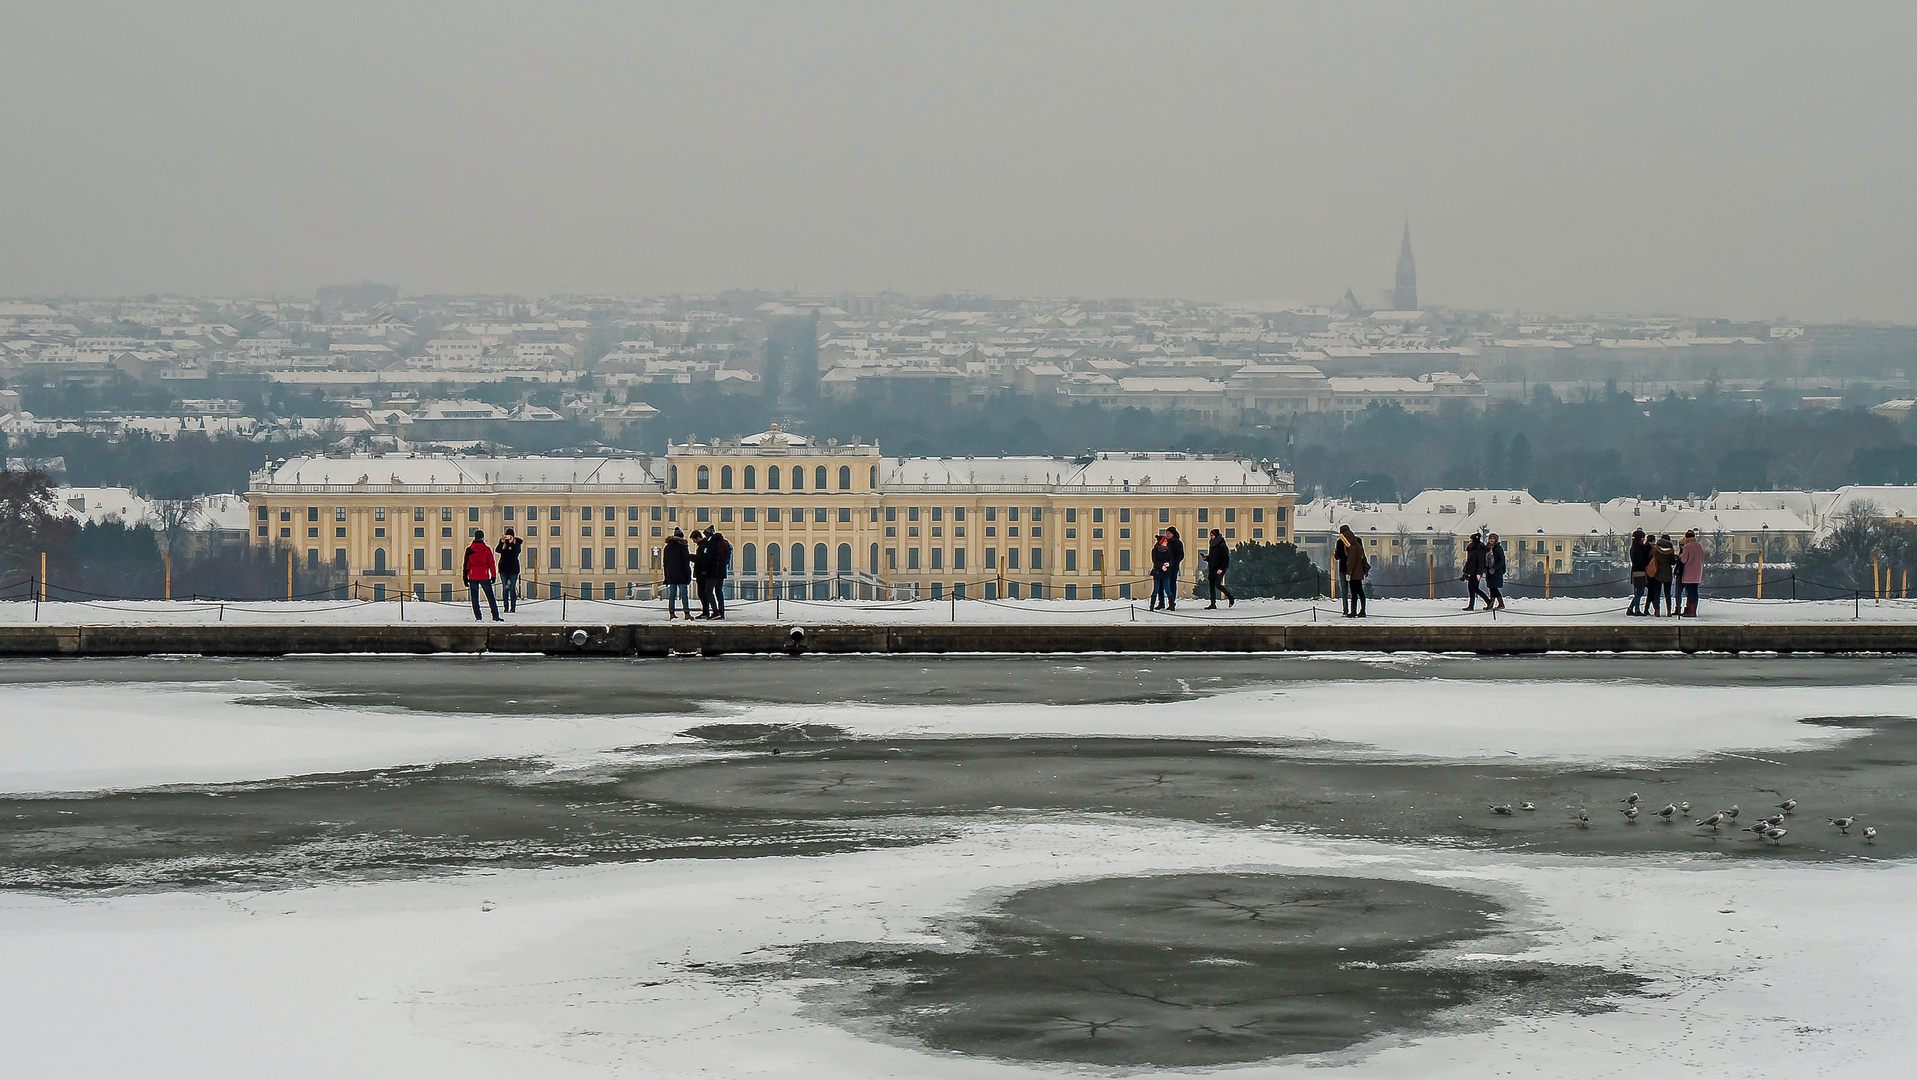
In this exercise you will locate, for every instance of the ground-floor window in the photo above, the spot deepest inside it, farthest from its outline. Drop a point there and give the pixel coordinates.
(1011, 590)
(553, 592)
(958, 590)
(1038, 590)
(608, 593)
(991, 590)
(938, 591)
(1071, 592)
(1125, 592)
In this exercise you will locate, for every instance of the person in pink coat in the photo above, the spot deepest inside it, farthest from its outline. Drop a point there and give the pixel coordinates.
(1691, 555)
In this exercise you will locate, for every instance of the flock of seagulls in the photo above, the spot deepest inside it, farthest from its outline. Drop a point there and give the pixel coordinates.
(1769, 828)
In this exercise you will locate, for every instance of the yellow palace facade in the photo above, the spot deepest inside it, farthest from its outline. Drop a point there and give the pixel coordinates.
(806, 519)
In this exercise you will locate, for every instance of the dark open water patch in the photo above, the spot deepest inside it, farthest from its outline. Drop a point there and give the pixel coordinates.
(1194, 970)
(812, 790)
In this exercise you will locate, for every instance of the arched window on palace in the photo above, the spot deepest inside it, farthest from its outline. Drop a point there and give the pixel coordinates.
(818, 479)
(845, 478)
(751, 478)
(725, 478)
(705, 478)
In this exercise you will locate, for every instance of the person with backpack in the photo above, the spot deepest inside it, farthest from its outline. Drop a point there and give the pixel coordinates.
(479, 572)
(1474, 550)
(1217, 558)
(677, 566)
(508, 550)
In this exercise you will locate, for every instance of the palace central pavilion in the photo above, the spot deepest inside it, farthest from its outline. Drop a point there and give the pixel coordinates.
(806, 519)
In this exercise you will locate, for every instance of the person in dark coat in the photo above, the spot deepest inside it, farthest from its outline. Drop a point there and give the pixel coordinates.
(1357, 569)
(1494, 570)
(1662, 566)
(1161, 562)
(677, 564)
(479, 572)
(1338, 557)
(1217, 558)
(1640, 574)
(1175, 557)
(1474, 572)
(715, 558)
(507, 551)
(701, 562)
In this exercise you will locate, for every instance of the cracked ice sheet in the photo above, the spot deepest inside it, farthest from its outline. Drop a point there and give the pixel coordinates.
(1758, 970)
(80, 737)
(1622, 722)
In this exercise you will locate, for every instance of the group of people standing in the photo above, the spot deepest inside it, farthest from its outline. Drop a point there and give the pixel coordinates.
(1483, 571)
(1168, 554)
(1662, 570)
(485, 564)
(705, 559)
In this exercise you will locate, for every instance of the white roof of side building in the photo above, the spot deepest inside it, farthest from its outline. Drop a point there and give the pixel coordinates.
(462, 472)
(1508, 518)
(1662, 516)
(1118, 468)
(981, 471)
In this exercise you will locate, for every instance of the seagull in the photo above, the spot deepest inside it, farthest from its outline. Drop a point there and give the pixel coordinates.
(1629, 812)
(1502, 809)
(1757, 828)
(1787, 805)
(1775, 835)
(1774, 819)
(1684, 807)
(1732, 812)
(1527, 806)
(1870, 832)
(1632, 801)
(1844, 823)
(1713, 821)
(1666, 813)
(1584, 818)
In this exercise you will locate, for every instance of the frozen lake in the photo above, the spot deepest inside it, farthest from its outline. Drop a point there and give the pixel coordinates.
(957, 867)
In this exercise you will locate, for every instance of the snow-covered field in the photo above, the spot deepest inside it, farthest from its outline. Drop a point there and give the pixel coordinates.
(968, 612)
(1758, 968)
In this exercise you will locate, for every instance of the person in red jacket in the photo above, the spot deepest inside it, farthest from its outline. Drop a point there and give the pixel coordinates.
(479, 575)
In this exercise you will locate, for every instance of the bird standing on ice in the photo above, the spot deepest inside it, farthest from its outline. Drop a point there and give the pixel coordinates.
(1630, 813)
(1787, 805)
(1631, 801)
(1584, 818)
(1870, 833)
(1502, 809)
(1666, 813)
(1713, 821)
(1774, 834)
(1732, 813)
(1844, 823)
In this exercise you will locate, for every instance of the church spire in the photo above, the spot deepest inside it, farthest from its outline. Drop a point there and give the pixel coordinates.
(1405, 296)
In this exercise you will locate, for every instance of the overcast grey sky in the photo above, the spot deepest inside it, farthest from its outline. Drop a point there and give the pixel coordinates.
(1732, 159)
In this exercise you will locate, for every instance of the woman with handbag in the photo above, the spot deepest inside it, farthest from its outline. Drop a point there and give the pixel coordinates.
(1357, 568)
(1640, 576)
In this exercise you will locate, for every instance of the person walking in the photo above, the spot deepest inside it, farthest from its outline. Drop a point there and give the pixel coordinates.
(1692, 556)
(479, 572)
(1357, 568)
(1494, 571)
(677, 566)
(1175, 557)
(1161, 562)
(1640, 573)
(1217, 558)
(717, 552)
(1663, 563)
(1474, 571)
(507, 551)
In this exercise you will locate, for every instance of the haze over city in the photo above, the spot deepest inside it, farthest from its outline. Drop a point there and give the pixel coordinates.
(1732, 160)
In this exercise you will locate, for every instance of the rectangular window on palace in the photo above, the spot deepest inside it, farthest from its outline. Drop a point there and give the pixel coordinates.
(1164, 514)
(1011, 558)
(1098, 560)
(891, 513)
(991, 558)
(1278, 514)
(912, 513)
(657, 512)
(552, 513)
(419, 558)
(1098, 514)
(1071, 515)
(1204, 516)
(1038, 556)
(725, 513)
(911, 558)
(445, 513)
(938, 513)
(445, 558)
(819, 514)
(585, 558)
(552, 559)
(1124, 560)
(705, 513)
(1231, 514)
(1125, 514)
(991, 513)
(958, 558)
(1011, 513)
(958, 513)
(751, 513)
(612, 559)
(1071, 560)
(938, 558)
(845, 515)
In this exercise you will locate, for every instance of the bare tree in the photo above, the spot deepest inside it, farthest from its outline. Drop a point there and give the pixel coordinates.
(173, 518)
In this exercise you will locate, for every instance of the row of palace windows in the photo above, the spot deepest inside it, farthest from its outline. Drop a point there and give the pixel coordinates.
(821, 478)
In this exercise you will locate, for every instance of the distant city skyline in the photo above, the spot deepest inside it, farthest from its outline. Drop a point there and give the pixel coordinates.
(1713, 160)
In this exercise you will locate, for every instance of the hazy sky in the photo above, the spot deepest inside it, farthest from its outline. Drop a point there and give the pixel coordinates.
(1735, 159)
